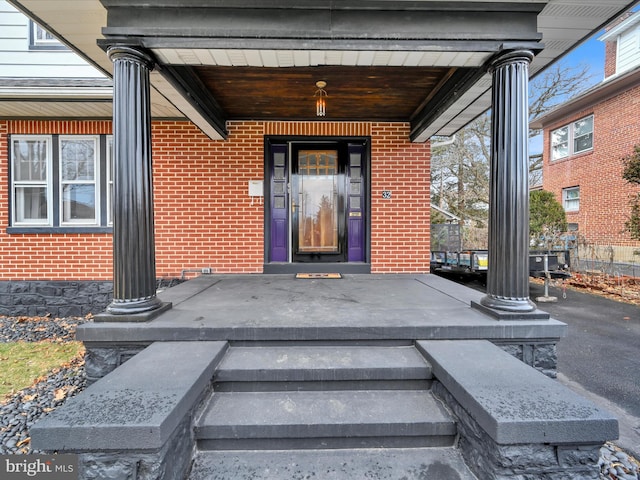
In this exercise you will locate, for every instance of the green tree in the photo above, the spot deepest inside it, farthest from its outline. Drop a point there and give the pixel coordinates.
(547, 219)
(631, 174)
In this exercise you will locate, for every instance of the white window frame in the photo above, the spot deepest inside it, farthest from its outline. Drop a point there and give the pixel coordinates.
(570, 139)
(109, 158)
(568, 203)
(95, 181)
(41, 39)
(22, 183)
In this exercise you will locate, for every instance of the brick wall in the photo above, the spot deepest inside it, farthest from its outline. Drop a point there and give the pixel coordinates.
(604, 195)
(49, 256)
(203, 215)
(400, 225)
(611, 49)
(610, 53)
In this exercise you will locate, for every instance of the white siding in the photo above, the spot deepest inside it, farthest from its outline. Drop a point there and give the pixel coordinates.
(628, 50)
(17, 60)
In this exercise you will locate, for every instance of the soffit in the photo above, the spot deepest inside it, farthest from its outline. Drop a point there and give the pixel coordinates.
(78, 24)
(562, 23)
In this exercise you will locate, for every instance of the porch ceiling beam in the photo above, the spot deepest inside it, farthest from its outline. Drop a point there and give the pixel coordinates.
(364, 26)
(461, 82)
(185, 81)
(301, 44)
(524, 5)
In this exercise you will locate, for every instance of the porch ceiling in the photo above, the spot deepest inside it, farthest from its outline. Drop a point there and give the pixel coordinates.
(267, 80)
(354, 93)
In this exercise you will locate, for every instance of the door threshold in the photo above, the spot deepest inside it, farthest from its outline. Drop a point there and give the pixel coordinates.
(280, 268)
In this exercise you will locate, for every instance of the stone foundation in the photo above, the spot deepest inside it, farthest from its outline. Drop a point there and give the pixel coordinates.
(56, 298)
(541, 356)
(492, 461)
(39, 298)
(171, 462)
(100, 360)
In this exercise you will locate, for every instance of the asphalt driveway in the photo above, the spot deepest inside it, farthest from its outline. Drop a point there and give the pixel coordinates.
(602, 350)
(600, 357)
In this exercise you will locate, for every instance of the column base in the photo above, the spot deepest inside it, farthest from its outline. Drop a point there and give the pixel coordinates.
(510, 305)
(146, 316)
(130, 307)
(502, 309)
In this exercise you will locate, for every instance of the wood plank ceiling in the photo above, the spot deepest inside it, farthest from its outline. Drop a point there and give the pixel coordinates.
(354, 93)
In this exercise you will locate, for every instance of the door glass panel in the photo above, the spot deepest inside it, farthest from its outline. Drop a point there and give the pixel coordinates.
(318, 201)
(278, 159)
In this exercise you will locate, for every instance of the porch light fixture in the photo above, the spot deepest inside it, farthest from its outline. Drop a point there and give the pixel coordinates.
(321, 98)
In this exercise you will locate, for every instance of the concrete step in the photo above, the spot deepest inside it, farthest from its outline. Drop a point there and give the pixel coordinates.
(444, 463)
(324, 419)
(322, 367)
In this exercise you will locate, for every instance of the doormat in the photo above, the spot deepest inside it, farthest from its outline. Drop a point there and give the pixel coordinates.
(318, 275)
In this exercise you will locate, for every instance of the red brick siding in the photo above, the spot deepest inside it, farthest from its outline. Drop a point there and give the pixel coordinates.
(400, 225)
(49, 256)
(610, 54)
(203, 215)
(604, 195)
(61, 127)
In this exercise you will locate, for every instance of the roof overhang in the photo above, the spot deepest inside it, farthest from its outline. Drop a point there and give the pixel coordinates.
(610, 88)
(196, 35)
(612, 33)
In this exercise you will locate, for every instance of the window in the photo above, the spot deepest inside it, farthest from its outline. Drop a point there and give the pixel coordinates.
(78, 173)
(571, 139)
(60, 181)
(40, 39)
(571, 199)
(31, 167)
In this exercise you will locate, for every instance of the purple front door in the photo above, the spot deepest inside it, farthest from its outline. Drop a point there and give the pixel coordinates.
(317, 201)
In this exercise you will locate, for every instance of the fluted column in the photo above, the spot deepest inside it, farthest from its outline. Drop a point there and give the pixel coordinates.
(134, 270)
(508, 274)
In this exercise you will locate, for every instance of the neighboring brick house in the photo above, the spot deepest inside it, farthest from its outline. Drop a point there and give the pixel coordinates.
(585, 140)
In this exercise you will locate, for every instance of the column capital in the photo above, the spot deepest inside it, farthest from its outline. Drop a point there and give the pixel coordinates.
(124, 52)
(510, 56)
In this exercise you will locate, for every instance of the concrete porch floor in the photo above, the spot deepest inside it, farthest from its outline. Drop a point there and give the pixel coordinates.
(392, 372)
(272, 308)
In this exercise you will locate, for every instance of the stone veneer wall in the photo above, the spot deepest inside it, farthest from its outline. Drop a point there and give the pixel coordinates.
(102, 358)
(59, 298)
(169, 462)
(56, 298)
(492, 461)
(541, 356)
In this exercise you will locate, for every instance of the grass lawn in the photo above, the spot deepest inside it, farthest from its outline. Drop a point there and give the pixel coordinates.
(22, 363)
